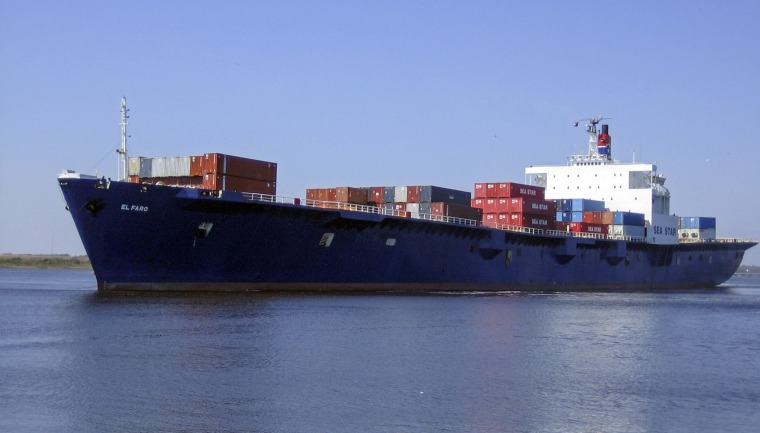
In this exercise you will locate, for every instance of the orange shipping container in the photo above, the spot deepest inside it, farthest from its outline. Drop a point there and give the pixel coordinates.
(237, 166)
(347, 194)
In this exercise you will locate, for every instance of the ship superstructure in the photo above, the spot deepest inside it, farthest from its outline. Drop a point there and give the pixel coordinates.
(627, 187)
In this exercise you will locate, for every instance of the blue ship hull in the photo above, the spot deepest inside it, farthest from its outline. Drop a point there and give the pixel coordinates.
(145, 237)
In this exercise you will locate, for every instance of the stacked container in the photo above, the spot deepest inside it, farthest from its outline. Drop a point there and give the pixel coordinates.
(227, 172)
(211, 171)
(697, 228)
(510, 203)
(411, 200)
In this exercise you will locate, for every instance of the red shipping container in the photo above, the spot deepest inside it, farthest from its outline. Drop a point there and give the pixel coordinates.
(480, 190)
(230, 165)
(347, 194)
(312, 194)
(532, 221)
(512, 189)
(581, 227)
(232, 183)
(456, 211)
(413, 194)
(494, 220)
(479, 203)
(196, 166)
(490, 206)
(532, 206)
(492, 190)
(327, 194)
(376, 194)
(502, 205)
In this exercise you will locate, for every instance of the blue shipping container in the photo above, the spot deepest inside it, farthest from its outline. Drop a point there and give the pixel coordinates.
(389, 194)
(628, 218)
(698, 223)
(587, 205)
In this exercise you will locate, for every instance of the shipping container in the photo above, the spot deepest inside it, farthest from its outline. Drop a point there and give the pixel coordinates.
(312, 194)
(176, 166)
(637, 231)
(425, 208)
(233, 183)
(546, 222)
(628, 218)
(347, 194)
(413, 194)
(594, 217)
(531, 206)
(492, 190)
(697, 234)
(389, 194)
(576, 216)
(587, 205)
(456, 211)
(328, 194)
(230, 165)
(177, 181)
(479, 203)
(135, 162)
(581, 227)
(399, 195)
(480, 190)
(512, 189)
(697, 223)
(564, 216)
(196, 165)
(503, 205)
(376, 195)
(431, 194)
(564, 205)
(490, 205)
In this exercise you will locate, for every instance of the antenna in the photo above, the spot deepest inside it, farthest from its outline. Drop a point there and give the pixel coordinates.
(123, 159)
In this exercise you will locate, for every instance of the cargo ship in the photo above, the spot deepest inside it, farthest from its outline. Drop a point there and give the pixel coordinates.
(214, 222)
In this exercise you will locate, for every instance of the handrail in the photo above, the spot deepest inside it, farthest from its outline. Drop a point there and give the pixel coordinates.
(463, 221)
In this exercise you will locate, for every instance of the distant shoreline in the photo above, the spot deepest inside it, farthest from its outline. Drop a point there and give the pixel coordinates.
(42, 261)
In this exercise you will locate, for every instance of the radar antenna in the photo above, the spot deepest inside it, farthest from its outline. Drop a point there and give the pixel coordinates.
(594, 137)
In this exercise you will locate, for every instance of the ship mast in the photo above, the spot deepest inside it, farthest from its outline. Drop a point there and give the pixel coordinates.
(123, 159)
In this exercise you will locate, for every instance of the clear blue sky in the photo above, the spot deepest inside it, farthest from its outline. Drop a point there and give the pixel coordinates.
(378, 93)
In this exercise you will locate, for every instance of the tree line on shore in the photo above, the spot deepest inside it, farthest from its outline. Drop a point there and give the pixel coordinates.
(41, 261)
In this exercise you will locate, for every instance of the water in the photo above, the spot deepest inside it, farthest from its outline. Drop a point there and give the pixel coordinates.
(74, 360)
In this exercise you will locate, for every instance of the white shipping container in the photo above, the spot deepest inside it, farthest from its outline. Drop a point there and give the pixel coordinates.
(400, 194)
(146, 165)
(170, 166)
(697, 234)
(626, 230)
(134, 166)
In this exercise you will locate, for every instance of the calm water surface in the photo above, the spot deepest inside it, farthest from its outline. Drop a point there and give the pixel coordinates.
(74, 360)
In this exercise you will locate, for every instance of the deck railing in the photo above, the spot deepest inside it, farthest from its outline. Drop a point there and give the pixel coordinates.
(462, 221)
